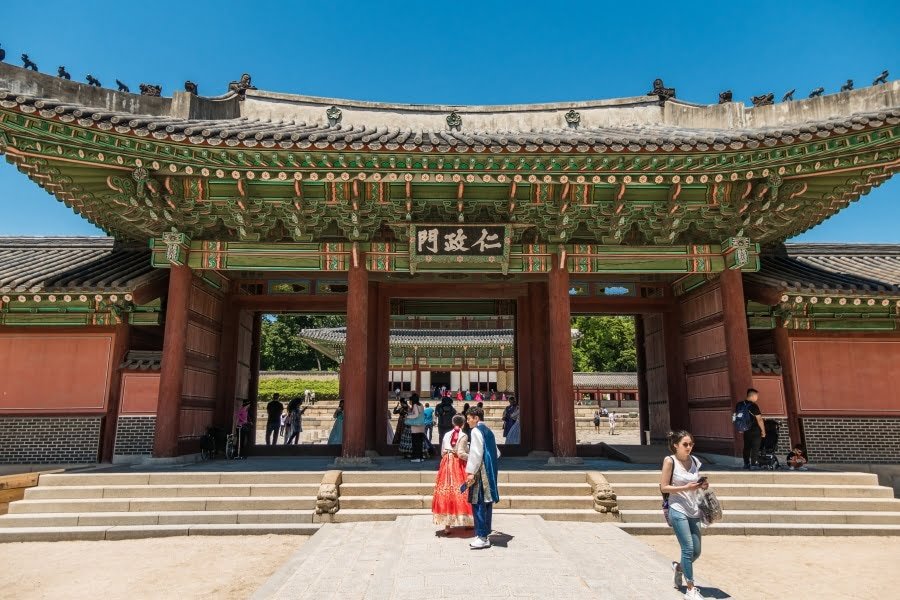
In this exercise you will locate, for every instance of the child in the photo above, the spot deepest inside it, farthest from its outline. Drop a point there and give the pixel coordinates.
(797, 459)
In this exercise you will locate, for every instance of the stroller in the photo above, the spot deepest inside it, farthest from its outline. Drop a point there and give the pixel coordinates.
(767, 457)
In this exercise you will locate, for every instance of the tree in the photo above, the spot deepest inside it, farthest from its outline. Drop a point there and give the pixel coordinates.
(280, 346)
(606, 344)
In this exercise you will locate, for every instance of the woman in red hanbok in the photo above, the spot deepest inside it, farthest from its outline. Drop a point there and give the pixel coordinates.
(451, 508)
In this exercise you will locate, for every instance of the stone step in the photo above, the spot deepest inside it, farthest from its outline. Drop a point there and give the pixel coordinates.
(775, 503)
(129, 532)
(512, 489)
(779, 529)
(389, 514)
(424, 501)
(163, 504)
(156, 518)
(720, 477)
(821, 517)
(168, 491)
(239, 478)
(724, 490)
(353, 477)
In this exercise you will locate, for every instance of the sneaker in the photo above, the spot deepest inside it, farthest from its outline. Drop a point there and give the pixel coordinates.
(678, 577)
(480, 543)
(693, 594)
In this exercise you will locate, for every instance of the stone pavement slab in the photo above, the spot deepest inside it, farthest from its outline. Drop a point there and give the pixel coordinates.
(530, 558)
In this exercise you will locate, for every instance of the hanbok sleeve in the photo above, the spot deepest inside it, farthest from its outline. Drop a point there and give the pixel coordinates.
(445, 442)
(476, 452)
(462, 446)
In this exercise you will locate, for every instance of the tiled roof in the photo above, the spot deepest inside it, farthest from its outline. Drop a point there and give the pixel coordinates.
(831, 269)
(765, 364)
(142, 360)
(606, 380)
(36, 264)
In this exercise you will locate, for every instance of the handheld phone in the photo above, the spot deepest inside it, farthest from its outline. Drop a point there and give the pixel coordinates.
(462, 488)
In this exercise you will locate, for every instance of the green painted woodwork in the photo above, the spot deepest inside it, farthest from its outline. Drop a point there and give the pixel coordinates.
(140, 187)
(76, 309)
(827, 313)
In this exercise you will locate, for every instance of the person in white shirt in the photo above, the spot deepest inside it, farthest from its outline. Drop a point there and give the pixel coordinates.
(481, 476)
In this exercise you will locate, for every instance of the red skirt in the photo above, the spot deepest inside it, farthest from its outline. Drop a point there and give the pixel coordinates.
(450, 507)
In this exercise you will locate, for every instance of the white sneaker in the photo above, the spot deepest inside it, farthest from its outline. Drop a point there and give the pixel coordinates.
(693, 594)
(480, 543)
(678, 577)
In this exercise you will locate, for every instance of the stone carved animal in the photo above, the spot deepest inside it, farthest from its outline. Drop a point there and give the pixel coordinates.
(122, 87)
(148, 89)
(878, 80)
(817, 92)
(789, 96)
(725, 96)
(62, 73)
(28, 63)
(659, 89)
(763, 99)
(847, 86)
(327, 500)
(190, 87)
(93, 81)
(2, 54)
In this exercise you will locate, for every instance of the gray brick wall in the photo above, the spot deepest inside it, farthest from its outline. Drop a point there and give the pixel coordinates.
(134, 435)
(846, 440)
(784, 439)
(49, 440)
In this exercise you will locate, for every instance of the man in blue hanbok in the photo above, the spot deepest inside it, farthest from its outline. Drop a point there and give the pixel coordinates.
(481, 476)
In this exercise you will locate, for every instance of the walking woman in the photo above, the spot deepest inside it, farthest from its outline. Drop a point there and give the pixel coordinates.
(336, 437)
(680, 482)
(449, 506)
(416, 422)
(402, 436)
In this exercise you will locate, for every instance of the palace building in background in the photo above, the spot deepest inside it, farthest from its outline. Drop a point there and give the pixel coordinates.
(400, 217)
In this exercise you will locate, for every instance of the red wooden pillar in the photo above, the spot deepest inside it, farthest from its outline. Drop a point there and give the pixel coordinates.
(253, 389)
(171, 372)
(737, 341)
(676, 380)
(356, 361)
(560, 361)
(540, 412)
(227, 363)
(523, 352)
(786, 358)
(114, 399)
(643, 404)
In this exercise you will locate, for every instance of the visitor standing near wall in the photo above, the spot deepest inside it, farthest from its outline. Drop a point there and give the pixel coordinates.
(444, 413)
(612, 423)
(748, 420)
(481, 476)
(273, 421)
(416, 422)
(597, 421)
(680, 483)
(429, 423)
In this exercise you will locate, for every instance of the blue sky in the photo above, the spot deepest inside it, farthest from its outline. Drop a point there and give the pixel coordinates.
(461, 52)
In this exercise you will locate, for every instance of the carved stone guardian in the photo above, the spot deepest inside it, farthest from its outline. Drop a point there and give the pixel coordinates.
(604, 497)
(122, 87)
(328, 498)
(847, 86)
(881, 79)
(789, 96)
(190, 87)
(725, 96)
(148, 89)
(62, 73)
(91, 80)
(664, 93)
(28, 63)
(240, 87)
(763, 99)
(817, 92)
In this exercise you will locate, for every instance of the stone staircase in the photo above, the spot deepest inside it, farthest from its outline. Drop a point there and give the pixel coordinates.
(770, 503)
(378, 496)
(117, 506)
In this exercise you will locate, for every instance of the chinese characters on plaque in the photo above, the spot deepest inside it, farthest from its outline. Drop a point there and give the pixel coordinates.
(459, 240)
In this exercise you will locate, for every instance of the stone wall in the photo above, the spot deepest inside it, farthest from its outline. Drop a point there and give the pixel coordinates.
(135, 435)
(849, 440)
(49, 440)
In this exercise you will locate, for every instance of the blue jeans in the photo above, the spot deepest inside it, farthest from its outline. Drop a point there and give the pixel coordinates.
(481, 514)
(687, 530)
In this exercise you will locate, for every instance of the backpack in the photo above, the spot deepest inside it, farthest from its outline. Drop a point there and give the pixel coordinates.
(742, 418)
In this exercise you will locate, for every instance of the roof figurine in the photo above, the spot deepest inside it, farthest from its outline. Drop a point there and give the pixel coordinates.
(334, 115)
(28, 63)
(847, 86)
(91, 80)
(62, 73)
(240, 87)
(881, 79)
(817, 92)
(190, 87)
(573, 118)
(454, 121)
(148, 89)
(725, 96)
(3, 54)
(122, 87)
(763, 99)
(661, 91)
(789, 96)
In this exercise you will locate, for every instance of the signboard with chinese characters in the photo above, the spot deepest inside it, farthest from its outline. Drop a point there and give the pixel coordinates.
(459, 247)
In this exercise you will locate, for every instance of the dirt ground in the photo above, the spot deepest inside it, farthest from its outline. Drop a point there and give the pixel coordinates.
(798, 568)
(165, 568)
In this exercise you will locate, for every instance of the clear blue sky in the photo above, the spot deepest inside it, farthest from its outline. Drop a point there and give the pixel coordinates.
(461, 52)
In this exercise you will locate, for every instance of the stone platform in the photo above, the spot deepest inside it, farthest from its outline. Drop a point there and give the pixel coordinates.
(530, 558)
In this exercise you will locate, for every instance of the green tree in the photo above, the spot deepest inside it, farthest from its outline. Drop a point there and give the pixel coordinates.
(606, 344)
(280, 346)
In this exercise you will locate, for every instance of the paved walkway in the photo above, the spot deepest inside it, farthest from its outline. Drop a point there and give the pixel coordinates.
(531, 558)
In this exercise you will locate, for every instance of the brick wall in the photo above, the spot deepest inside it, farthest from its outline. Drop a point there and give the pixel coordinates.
(784, 439)
(49, 440)
(134, 435)
(846, 440)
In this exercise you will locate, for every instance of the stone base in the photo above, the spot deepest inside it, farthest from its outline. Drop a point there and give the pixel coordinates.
(353, 461)
(540, 454)
(564, 461)
(151, 461)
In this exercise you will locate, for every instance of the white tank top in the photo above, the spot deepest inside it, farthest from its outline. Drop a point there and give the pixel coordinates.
(685, 502)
